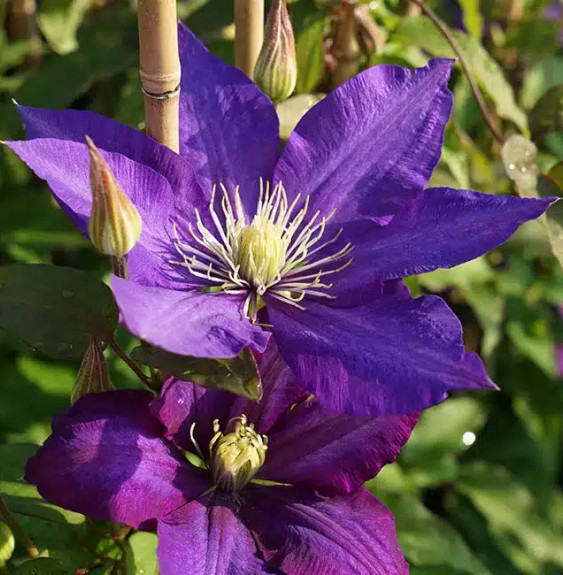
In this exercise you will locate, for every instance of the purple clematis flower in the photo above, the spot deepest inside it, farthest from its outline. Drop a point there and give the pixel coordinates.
(239, 242)
(281, 491)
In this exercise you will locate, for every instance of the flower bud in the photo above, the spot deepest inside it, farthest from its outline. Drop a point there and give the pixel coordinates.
(93, 376)
(115, 224)
(276, 68)
(7, 543)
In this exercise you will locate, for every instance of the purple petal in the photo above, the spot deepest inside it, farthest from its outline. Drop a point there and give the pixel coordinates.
(372, 143)
(337, 453)
(187, 323)
(444, 228)
(111, 136)
(206, 538)
(393, 355)
(280, 390)
(65, 166)
(182, 403)
(107, 458)
(303, 534)
(228, 127)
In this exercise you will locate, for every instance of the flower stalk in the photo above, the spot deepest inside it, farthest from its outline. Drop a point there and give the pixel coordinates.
(13, 524)
(446, 32)
(346, 48)
(160, 70)
(249, 34)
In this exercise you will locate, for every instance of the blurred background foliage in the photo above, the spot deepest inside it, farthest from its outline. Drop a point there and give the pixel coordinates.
(477, 491)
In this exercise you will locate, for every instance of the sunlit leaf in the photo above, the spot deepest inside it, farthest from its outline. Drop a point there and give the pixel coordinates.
(238, 374)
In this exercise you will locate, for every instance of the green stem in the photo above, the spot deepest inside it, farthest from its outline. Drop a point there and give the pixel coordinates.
(13, 524)
(446, 32)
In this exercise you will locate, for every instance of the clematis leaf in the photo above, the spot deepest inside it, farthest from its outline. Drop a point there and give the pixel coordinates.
(421, 32)
(309, 23)
(547, 114)
(55, 309)
(140, 554)
(238, 374)
(59, 21)
(41, 566)
(290, 111)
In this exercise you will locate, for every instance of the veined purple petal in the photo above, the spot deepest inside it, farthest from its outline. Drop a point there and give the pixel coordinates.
(372, 144)
(182, 403)
(229, 130)
(443, 228)
(303, 534)
(112, 136)
(336, 453)
(65, 166)
(393, 355)
(106, 458)
(187, 323)
(280, 390)
(206, 538)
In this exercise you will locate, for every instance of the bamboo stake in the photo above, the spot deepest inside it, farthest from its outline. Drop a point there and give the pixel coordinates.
(346, 48)
(249, 34)
(160, 69)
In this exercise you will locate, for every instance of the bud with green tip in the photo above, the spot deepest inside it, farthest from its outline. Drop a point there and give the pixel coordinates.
(115, 224)
(93, 376)
(276, 68)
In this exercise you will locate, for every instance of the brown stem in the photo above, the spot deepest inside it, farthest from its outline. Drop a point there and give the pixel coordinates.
(13, 524)
(249, 34)
(136, 369)
(446, 32)
(160, 70)
(346, 49)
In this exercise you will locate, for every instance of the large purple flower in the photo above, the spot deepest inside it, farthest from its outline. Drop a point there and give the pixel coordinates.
(239, 242)
(281, 491)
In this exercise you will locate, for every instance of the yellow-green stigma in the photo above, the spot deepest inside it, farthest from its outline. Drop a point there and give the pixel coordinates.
(279, 252)
(237, 455)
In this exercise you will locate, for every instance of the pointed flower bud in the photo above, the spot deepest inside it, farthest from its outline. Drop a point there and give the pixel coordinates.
(276, 68)
(93, 376)
(115, 224)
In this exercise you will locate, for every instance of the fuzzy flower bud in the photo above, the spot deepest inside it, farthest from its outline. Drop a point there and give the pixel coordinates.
(115, 224)
(93, 376)
(276, 68)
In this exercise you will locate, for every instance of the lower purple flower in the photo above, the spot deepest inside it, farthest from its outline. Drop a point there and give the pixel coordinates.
(280, 490)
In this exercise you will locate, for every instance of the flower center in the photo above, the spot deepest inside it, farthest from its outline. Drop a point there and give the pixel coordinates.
(237, 455)
(280, 252)
(262, 253)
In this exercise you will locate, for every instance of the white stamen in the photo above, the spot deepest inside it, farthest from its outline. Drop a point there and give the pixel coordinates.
(273, 254)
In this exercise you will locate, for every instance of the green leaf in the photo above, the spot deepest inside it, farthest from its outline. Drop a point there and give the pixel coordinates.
(511, 509)
(7, 543)
(428, 540)
(422, 32)
(140, 554)
(552, 185)
(290, 111)
(309, 24)
(41, 566)
(443, 432)
(54, 309)
(472, 19)
(547, 114)
(238, 374)
(59, 21)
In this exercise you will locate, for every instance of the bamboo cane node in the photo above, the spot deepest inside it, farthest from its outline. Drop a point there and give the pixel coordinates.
(162, 95)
